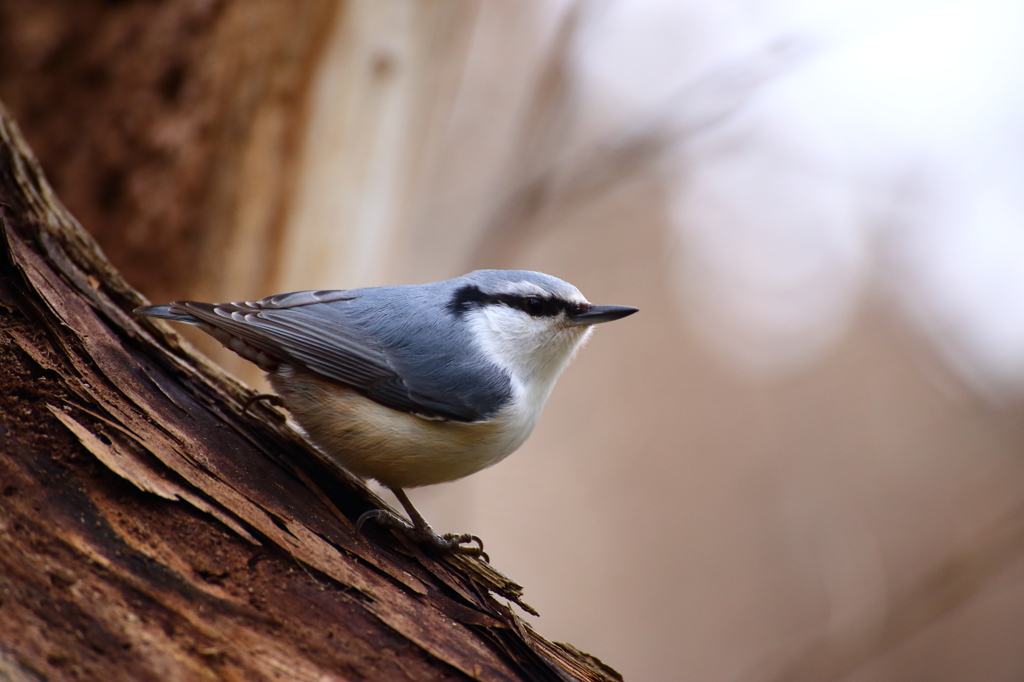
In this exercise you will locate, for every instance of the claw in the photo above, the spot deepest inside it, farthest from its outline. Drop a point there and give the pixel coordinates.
(385, 518)
(425, 535)
(455, 542)
(271, 398)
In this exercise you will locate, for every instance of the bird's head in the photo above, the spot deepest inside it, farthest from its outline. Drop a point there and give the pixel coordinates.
(528, 323)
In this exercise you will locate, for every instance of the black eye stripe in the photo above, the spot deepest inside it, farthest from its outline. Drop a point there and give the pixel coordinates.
(535, 306)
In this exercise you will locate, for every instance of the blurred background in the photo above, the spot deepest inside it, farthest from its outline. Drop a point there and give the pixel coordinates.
(803, 459)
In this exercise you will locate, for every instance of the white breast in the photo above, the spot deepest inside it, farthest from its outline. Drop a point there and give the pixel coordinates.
(396, 448)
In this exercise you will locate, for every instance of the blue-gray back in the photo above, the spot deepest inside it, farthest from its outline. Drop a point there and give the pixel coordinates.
(402, 346)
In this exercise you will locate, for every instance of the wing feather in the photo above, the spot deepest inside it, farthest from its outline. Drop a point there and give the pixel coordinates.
(293, 328)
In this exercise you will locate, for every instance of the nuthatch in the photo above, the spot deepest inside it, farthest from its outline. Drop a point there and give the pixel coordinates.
(411, 385)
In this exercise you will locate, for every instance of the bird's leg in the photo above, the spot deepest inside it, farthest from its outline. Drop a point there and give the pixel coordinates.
(421, 532)
(271, 398)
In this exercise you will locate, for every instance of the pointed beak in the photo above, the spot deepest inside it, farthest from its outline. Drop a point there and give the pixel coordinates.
(596, 314)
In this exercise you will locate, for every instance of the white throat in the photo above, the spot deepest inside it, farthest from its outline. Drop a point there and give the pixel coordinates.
(534, 351)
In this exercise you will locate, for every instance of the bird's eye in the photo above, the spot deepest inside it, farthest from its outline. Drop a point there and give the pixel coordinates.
(533, 306)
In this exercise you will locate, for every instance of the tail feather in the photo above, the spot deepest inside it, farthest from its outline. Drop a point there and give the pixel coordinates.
(167, 312)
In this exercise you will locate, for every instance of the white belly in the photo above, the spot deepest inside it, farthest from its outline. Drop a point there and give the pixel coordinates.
(398, 449)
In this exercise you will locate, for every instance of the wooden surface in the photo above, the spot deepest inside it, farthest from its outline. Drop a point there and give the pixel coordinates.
(150, 530)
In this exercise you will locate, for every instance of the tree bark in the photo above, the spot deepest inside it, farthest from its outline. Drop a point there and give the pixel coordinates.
(151, 530)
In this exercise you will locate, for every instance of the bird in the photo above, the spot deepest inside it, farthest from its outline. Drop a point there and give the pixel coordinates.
(410, 385)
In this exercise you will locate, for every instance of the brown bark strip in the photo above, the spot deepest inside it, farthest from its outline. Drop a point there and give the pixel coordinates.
(101, 580)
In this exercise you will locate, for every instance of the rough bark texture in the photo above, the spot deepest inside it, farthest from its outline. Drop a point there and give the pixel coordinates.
(150, 530)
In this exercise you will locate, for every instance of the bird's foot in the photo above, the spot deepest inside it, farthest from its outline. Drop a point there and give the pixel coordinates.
(455, 543)
(271, 398)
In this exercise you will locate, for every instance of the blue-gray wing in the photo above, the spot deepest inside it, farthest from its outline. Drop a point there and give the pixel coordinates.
(297, 329)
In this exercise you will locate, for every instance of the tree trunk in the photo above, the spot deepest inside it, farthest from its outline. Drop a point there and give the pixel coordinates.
(151, 530)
